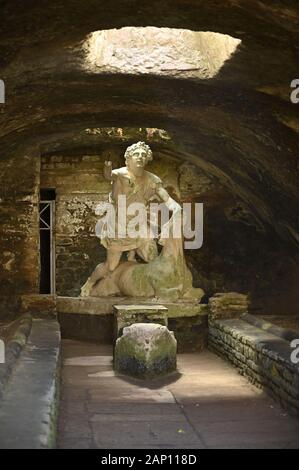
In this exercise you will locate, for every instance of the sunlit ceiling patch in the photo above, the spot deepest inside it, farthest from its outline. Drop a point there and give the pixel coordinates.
(158, 51)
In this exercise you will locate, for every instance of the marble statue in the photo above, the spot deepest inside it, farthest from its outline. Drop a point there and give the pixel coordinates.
(164, 275)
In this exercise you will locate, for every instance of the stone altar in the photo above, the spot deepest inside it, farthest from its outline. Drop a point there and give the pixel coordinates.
(145, 350)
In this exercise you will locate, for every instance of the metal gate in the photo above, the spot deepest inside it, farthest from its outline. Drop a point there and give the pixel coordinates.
(47, 246)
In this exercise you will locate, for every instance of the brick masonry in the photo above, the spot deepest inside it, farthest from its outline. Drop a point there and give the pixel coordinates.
(19, 233)
(261, 356)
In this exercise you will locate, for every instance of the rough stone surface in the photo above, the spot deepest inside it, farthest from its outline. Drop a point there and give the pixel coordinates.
(163, 51)
(145, 350)
(227, 305)
(39, 305)
(259, 355)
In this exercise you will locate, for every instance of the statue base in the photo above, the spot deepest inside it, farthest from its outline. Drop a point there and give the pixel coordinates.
(92, 319)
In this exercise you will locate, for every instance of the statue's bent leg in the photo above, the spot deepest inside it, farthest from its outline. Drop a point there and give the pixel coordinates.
(148, 251)
(113, 259)
(100, 271)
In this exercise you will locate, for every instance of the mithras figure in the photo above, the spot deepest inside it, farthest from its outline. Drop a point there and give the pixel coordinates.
(164, 275)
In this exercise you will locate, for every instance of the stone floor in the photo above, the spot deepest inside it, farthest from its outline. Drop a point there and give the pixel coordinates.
(207, 404)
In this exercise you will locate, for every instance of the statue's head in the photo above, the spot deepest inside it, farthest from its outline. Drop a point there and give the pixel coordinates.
(138, 155)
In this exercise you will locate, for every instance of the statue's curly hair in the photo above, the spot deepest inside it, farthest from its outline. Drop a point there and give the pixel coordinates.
(130, 150)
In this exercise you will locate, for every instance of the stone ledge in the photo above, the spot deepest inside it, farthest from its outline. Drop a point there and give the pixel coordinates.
(262, 356)
(104, 306)
(269, 344)
(39, 305)
(28, 409)
(13, 349)
(266, 325)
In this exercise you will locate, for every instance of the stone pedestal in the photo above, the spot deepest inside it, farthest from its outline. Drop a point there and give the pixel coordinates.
(145, 350)
(126, 315)
(93, 319)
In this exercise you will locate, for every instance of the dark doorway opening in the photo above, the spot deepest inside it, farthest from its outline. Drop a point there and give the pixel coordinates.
(47, 241)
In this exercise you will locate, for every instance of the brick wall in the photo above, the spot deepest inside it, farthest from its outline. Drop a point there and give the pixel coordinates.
(262, 357)
(19, 254)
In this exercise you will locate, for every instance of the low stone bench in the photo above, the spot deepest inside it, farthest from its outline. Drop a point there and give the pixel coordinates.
(259, 355)
(145, 350)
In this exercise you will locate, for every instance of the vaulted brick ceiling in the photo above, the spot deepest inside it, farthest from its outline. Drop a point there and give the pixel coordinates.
(240, 125)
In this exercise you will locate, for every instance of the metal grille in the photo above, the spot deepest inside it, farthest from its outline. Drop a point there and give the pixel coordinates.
(46, 223)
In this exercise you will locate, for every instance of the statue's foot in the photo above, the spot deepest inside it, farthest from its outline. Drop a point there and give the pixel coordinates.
(85, 290)
(194, 293)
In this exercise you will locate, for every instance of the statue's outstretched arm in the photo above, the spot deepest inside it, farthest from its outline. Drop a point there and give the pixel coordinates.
(170, 203)
(108, 173)
(172, 228)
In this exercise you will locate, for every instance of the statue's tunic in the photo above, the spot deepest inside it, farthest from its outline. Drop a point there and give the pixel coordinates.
(136, 191)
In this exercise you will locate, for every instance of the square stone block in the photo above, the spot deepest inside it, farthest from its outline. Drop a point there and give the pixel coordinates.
(126, 315)
(145, 350)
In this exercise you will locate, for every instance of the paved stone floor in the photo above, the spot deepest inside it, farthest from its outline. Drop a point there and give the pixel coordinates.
(206, 405)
